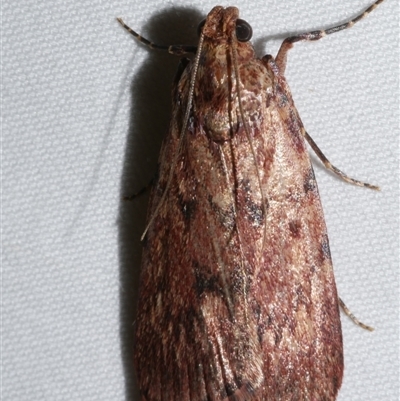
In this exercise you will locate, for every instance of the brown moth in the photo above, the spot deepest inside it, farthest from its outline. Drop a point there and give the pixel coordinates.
(237, 296)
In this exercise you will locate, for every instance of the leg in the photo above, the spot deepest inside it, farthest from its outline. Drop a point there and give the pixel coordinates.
(177, 50)
(334, 169)
(347, 311)
(316, 35)
(140, 192)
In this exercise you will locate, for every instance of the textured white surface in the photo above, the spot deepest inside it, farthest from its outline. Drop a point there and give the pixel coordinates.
(84, 109)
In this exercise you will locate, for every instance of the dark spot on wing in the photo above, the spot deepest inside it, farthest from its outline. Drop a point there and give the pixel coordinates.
(294, 227)
(302, 298)
(310, 183)
(325, 250)
(230, 389)
(294, 128)
(206, 282)
(254, 211)
(281, 96)
(188, 208)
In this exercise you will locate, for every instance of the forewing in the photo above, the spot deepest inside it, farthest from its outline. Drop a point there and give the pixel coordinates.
(195, 337)
(237, 295)
(299, 321)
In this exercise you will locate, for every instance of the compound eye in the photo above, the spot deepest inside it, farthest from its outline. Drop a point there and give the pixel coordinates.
(200, 27)
(244, 32)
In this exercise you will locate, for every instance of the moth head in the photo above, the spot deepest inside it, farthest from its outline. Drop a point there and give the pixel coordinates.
(223, 23)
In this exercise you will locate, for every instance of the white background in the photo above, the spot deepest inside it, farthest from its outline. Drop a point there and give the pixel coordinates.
(84, 108)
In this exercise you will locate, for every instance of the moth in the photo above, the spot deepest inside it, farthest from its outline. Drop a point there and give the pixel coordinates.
(237, 297)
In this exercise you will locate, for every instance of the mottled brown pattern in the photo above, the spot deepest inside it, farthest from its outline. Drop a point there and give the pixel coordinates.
(237, 300)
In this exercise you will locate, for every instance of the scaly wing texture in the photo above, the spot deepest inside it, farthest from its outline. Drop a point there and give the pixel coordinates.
(237, 295)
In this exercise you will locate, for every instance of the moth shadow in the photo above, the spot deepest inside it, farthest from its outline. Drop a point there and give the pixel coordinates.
(149, 122)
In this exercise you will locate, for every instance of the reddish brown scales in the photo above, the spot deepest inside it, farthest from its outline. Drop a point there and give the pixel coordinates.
(237, 294)
(218, 315)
